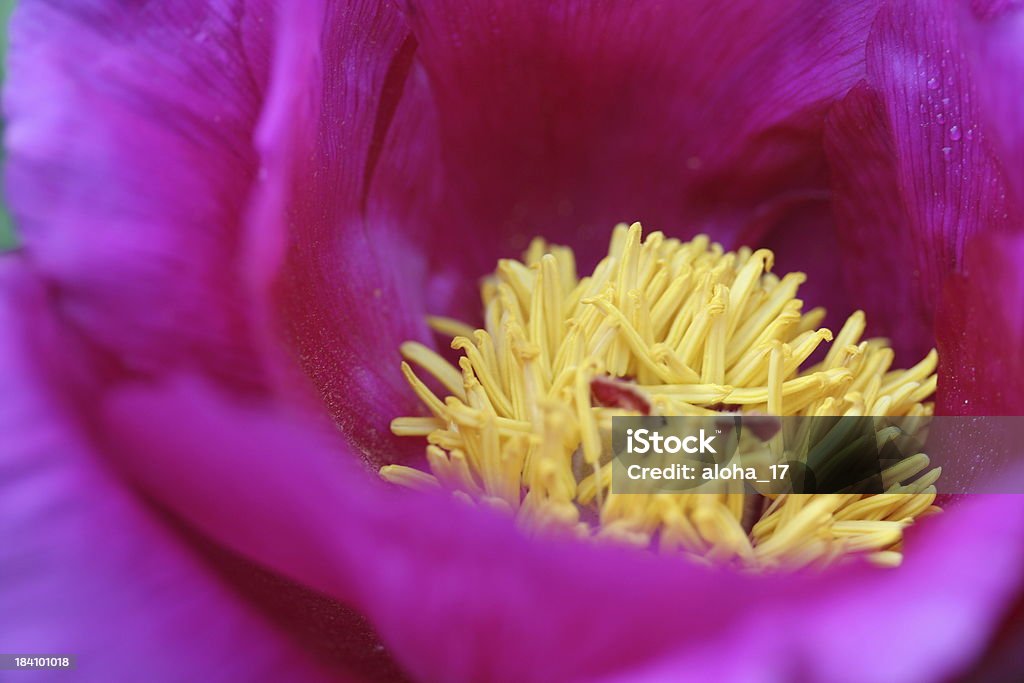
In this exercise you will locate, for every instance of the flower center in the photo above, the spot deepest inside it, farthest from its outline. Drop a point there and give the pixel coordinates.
(668, 328)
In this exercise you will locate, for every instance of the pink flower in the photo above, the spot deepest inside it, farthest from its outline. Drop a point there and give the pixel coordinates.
(233, 213)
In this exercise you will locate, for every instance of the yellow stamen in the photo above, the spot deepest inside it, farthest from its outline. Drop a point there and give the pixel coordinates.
(692, 330)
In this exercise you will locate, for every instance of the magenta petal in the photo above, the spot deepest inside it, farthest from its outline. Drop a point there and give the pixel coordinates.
(324, 244)
(90, 569)
(996, 40)
(806, 240)
(924, 622)
(563, 119)
(980, 330)
(455, 593)
(459, 595)
(1001, 661)
(129, 166)
(873, 237)
(913, 174)
(166, 229)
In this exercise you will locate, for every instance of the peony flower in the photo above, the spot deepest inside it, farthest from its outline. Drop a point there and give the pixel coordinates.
(234, 214)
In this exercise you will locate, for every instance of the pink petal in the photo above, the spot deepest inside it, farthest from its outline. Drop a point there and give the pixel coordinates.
(129, 167)
(926, 621)
(1001, 661)
(980, 330)
(167, 235)
(874, 238)
(564, 119)
(806, 240)
(91, 569)
(913, 174)
(461, 595)
(995, 39)
(324, 246)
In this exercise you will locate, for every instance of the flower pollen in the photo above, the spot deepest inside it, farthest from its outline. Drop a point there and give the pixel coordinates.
(661, 327)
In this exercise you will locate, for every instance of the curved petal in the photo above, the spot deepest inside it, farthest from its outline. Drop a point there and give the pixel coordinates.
(980, 331)
(996, 41)
(90, 569)
(461, 595)
(874, 239)
(164, 227)
(1001, 661)
(129, 165)
(563, 119)
(910, 625)
(913, 172)
(323, 243)
(806, 240)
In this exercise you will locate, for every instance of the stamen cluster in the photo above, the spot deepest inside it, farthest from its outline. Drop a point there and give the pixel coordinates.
(660, 327)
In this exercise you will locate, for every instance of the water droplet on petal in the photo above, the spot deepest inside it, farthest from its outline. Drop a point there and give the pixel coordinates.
(940, 118)
(947, 150)
(954, 133)
(933, 83)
